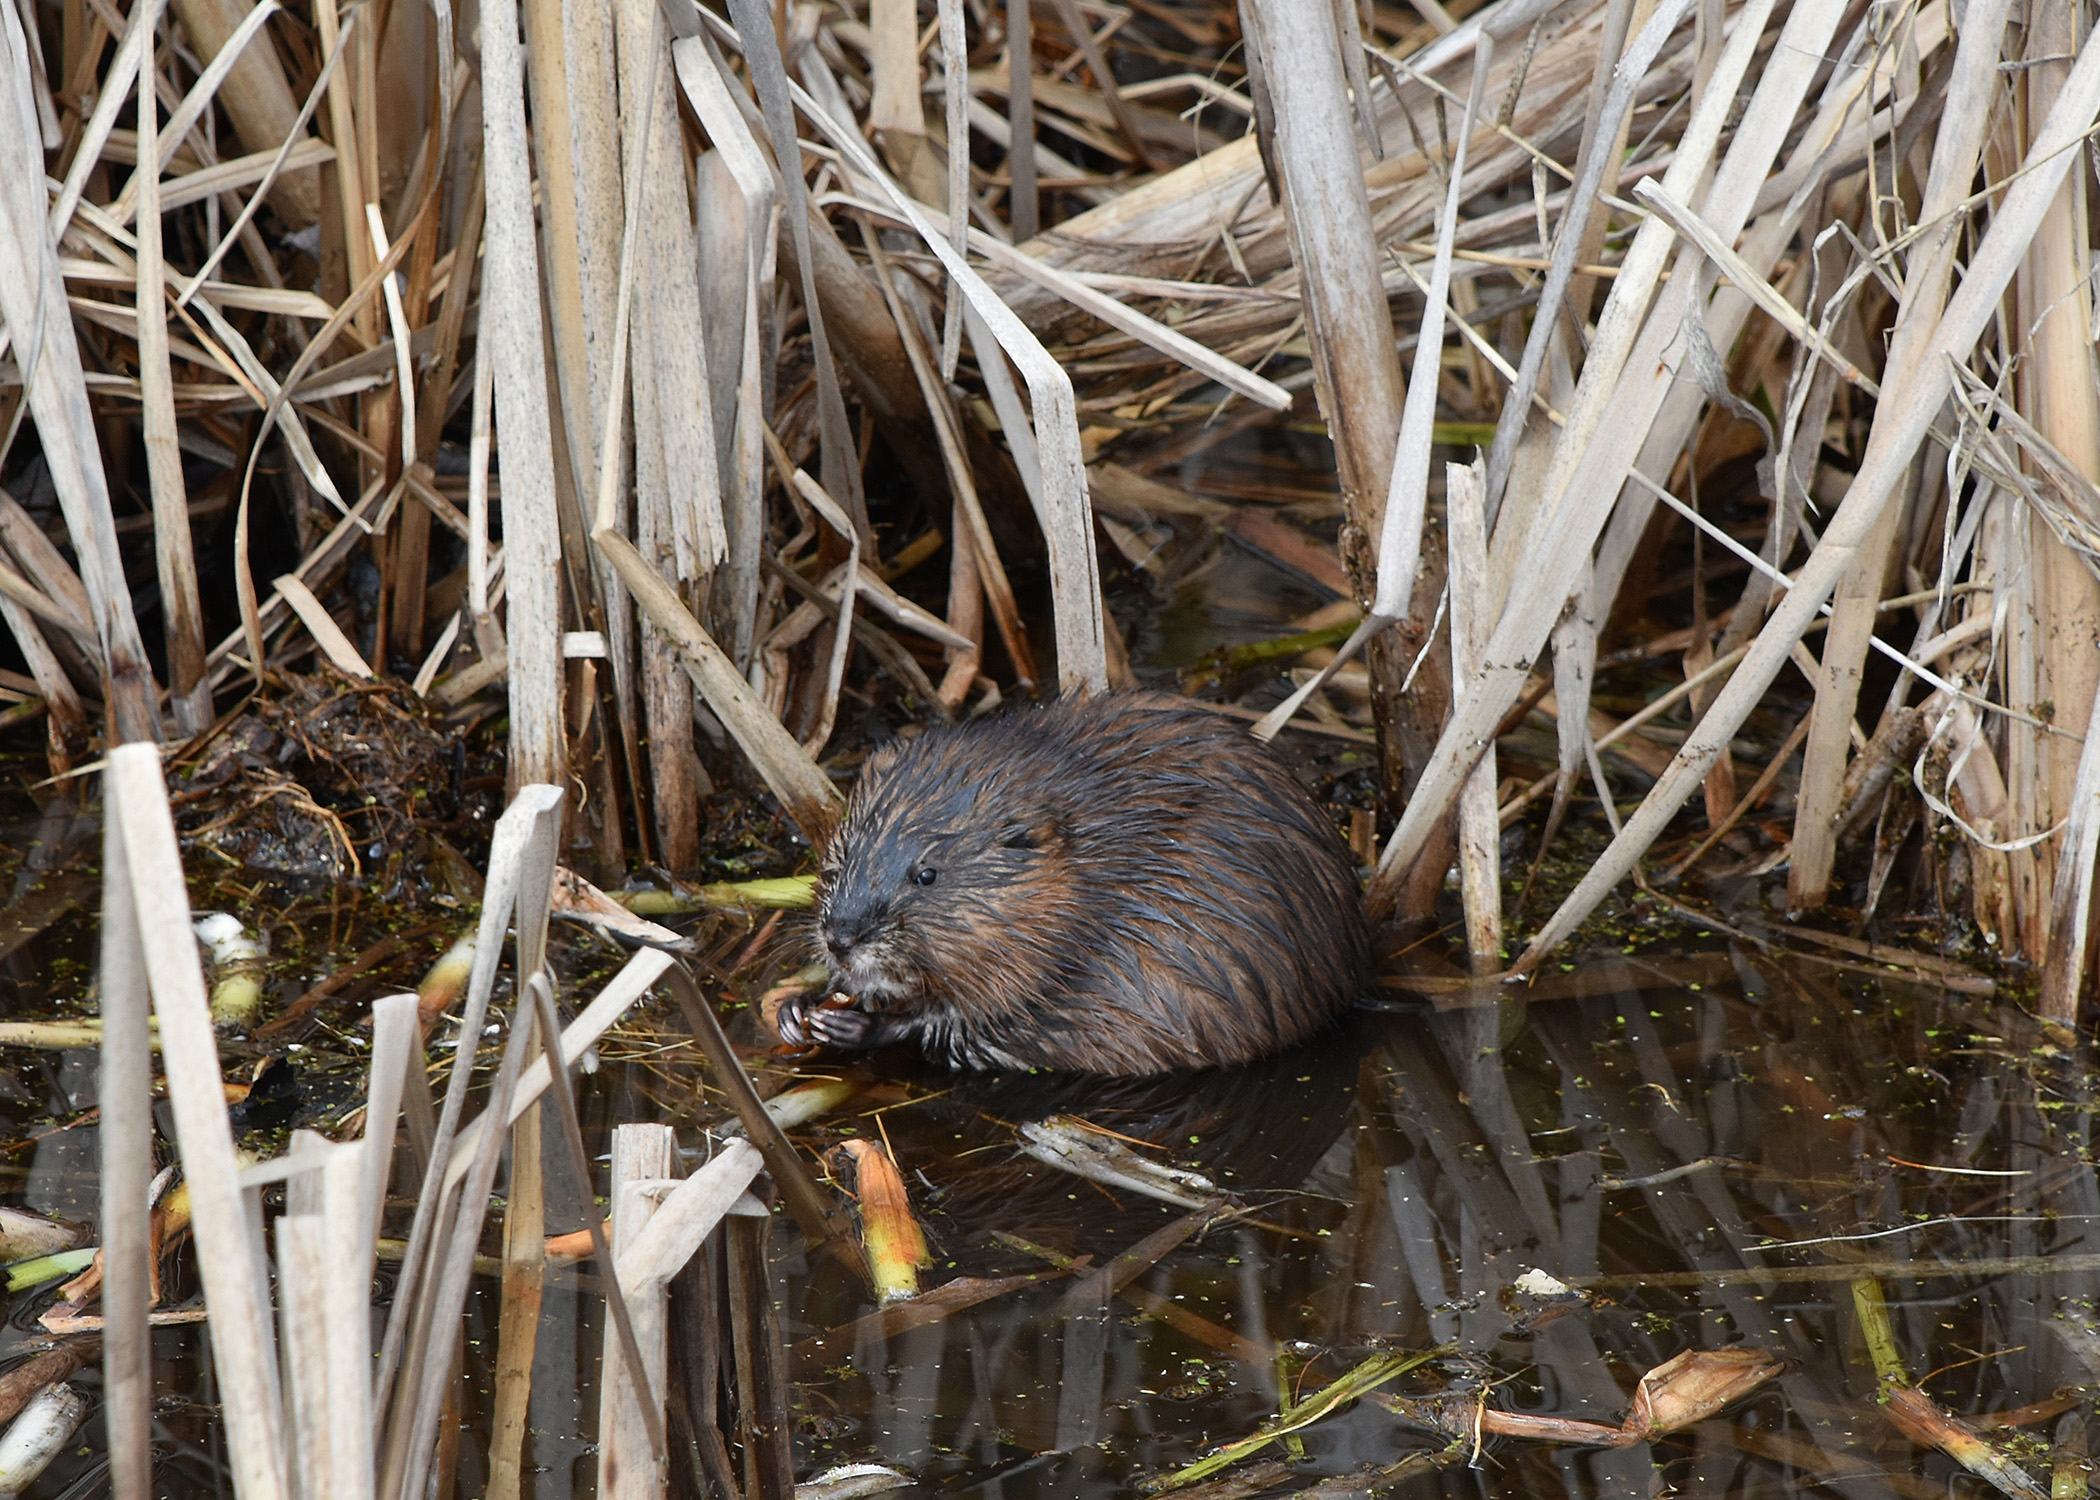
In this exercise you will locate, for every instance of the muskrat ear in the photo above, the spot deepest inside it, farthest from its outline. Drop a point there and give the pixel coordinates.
(1039, 835)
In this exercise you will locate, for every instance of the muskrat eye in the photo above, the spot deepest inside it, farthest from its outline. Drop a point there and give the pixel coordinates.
(925, 875)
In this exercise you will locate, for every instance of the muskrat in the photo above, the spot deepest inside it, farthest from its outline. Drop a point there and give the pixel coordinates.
(1126, 884)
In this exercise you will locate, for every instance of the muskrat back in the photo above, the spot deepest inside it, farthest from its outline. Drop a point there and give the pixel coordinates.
(1125, 884)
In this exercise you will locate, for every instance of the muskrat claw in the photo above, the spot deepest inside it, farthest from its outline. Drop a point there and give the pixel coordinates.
(836, 1020)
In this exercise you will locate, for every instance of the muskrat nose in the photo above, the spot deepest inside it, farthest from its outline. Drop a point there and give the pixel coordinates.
(842, 934)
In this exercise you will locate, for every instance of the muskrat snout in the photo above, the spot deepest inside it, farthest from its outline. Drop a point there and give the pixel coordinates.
(841, 935)
(859, 940)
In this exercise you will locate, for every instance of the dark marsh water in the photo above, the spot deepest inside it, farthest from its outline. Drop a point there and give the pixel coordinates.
(1718, 1162)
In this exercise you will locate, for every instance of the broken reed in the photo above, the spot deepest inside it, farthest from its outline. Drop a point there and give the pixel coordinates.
(1638, 240)
(309, 1410)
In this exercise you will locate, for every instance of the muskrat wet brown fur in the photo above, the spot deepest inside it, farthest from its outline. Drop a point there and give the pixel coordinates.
(1123, 885)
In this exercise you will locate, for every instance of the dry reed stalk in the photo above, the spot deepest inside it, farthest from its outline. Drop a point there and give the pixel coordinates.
(787, 768)
(1857, 598)
(735, 267)
(965, 616)
(2057, 394)
(1854, 606)
(350, 194)
(763, 1425)
(1906, 412)
(328, 635)
(2071, 907)
(397, 1078)
(576, 139)
(955, 96)
(1295, 67)
(1074, 570)
(744, 178)
(33, 303)
(2035, 591)
(333, 1198)
(520, 878)
(1472, 607)
(225, 1220)
(182, 606)
(577, 145)
(303, 1273)
(840, 474)
(689, 1212)
(678, 497)
(1328, 212)
(1624, 379)
(125, 1089)
(1400, 531)
(524, 1286)
(893, 26)
(511, 318)
(641, 1155)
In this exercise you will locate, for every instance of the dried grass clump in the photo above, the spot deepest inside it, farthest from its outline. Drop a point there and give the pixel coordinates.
(343, 771)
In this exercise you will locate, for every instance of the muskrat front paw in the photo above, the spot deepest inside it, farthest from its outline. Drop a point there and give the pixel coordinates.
(833, 1021)
(849, 1027)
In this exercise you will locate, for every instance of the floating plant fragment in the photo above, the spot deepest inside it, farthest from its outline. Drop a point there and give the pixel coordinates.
(1357, 1383)
(895, 1244)
(45, 1426)
(1072, 1145)
(1674, 1395)
(237, 958)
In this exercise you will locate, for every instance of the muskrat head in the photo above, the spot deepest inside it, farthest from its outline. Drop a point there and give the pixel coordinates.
(912, 884)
